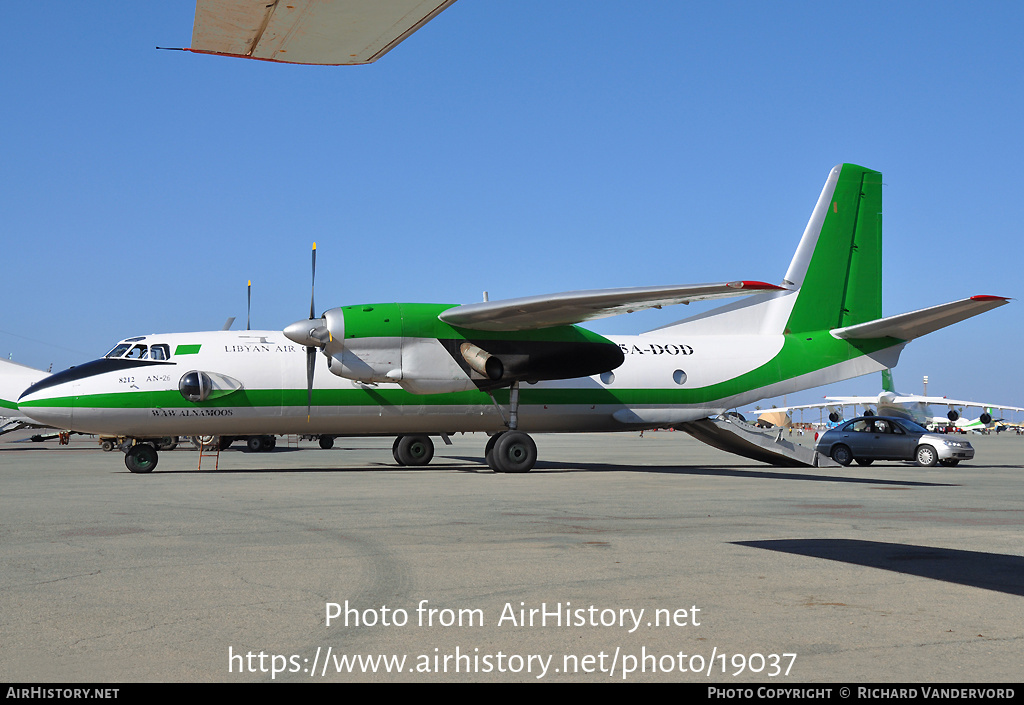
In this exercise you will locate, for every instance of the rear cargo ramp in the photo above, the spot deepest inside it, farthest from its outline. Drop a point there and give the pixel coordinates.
(733, 435)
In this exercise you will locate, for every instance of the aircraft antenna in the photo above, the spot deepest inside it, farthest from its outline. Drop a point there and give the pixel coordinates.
(248, 312)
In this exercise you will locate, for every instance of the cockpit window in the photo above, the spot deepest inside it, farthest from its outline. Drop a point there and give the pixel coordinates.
(118, 350)
(160, 351)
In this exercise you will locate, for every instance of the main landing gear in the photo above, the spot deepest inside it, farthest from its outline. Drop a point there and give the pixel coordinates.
(511, 450)
(413, 450)
(506, 451)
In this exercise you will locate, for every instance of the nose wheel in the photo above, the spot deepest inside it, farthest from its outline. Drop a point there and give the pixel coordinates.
(141, 457)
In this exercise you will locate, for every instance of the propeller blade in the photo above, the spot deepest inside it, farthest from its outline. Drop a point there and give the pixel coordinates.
(311, 351)
(312, 287)
(310, 362)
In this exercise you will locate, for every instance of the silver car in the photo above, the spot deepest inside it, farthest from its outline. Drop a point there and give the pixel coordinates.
(869, 438)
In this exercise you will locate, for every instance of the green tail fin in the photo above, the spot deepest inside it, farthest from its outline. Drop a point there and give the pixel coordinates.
(887, 383)
(840, 270)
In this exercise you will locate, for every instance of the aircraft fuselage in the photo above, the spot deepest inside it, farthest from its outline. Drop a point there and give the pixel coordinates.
(663, 380)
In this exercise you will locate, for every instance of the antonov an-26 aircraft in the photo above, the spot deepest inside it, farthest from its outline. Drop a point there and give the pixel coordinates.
(512, 367)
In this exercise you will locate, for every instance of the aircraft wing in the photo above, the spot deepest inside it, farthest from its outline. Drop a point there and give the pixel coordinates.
(546, 311)
(899, 399)
(944, 401)
(828, 403)
(332, 32)
(908, 326)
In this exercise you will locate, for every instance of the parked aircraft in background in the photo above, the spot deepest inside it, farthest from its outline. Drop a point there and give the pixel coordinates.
(508, 367)
(15, 379)
(915, 407)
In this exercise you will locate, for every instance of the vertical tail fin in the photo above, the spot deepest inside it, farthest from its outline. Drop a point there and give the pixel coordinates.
(838, 265)
(887, 383)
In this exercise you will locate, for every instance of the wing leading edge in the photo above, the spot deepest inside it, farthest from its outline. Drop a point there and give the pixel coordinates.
(568, 308)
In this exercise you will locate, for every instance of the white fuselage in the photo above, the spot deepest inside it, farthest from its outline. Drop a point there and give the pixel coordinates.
(665, 379)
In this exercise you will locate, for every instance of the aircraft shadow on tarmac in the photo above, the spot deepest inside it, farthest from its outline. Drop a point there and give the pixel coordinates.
(990, 571)
(743, 471)
(475, 464)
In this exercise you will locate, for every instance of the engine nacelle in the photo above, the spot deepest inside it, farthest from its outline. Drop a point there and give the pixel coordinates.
(407, 344)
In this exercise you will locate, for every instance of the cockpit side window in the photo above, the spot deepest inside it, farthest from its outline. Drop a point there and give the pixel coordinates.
(160, 351)
(118, 350)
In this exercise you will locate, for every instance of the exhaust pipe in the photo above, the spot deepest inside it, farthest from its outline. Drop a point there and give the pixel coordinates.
(482, 361)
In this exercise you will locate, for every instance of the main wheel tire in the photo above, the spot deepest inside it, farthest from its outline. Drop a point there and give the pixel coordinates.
(926, 456)
(326, 442)
(255, 443)
(515, 452)
(415, 450)
(842, 454)
(489, 451)
(141, 458)
(394, 450)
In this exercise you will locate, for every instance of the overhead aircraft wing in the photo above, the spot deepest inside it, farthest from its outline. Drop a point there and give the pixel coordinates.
(331, 32)
(546, 311)
(908, 326)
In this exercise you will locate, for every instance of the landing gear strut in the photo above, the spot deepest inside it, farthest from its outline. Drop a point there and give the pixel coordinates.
(511, 450)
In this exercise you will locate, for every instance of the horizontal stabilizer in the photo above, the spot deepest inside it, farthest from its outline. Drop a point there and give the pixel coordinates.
(549, 310)
(309, 31)
(908, 326)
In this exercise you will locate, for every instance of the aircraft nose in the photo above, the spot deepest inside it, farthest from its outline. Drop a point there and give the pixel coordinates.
(48, 406)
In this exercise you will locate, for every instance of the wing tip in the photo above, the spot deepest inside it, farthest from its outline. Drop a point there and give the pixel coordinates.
(748, 284)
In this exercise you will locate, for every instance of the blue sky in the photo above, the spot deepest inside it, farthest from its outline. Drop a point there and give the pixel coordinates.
(517, 147)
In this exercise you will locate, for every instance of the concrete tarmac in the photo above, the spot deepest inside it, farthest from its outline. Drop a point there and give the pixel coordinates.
(743, 572)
